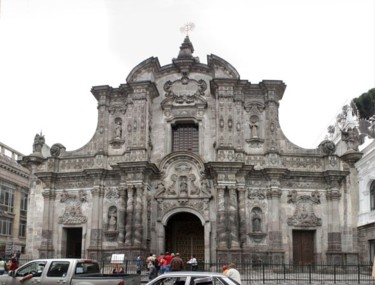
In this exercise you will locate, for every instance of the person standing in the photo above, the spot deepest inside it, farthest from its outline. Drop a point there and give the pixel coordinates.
(2, 266)
(168, 260)
(193, 263)
(234, 273)
(139, 265)
(151, 265)
(177, 264)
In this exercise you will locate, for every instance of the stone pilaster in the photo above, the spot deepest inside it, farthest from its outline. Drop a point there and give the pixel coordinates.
(46, 249)
(221, 221)
(233, 218)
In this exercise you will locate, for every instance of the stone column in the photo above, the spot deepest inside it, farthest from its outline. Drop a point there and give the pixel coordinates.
(129, 216)
(121, 214)
(242, 214)
(233, 218)
(138, 227)
(221, 221)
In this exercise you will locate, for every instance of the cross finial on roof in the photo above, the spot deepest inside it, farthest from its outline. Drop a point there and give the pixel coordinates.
(188, 27)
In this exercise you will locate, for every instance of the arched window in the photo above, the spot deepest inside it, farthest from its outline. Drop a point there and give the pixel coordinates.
(185, 137)
(372, 196)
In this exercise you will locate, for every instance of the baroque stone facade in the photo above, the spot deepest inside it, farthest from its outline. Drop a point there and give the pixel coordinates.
(193, 138)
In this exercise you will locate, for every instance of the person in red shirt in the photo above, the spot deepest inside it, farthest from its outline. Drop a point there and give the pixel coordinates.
(168, 259)
(13, 265)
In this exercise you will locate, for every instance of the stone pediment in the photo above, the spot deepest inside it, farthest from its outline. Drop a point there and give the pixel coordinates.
(182, 178)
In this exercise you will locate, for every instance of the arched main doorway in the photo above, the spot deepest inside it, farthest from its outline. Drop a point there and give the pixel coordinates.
(185, 235)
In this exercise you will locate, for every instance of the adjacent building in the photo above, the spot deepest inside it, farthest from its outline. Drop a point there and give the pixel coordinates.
(190, 158)
(14, 191)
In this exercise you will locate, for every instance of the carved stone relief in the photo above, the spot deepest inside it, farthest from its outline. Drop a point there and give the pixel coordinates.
(73, 208)
(184, 91)
(304, 215)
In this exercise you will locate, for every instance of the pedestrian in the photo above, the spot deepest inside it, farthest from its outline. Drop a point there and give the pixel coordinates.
(162, 264)
(193, 263)
(151, 265)
(168, 259)
(225, 269)
(138, 263)
(2, 266)
(117, 269)
(234, 273)
(12, 264)
(177, 263)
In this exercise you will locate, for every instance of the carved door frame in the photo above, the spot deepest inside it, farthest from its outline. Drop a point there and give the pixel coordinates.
(160, 230)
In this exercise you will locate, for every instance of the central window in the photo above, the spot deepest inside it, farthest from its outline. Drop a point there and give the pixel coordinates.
(185, 137)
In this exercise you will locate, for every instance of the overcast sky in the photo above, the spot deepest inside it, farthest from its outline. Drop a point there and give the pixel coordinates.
(52, 52)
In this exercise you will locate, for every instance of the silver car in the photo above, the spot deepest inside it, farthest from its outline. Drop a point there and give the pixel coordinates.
(192, 278)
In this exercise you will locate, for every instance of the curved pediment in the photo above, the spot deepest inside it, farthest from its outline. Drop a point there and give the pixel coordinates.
(145, 71)
(221, 68)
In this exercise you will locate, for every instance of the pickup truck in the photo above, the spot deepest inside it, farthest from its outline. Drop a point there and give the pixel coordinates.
(65, 271)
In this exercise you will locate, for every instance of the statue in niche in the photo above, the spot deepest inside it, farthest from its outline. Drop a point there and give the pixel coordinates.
(254, 126)
(112, 219)
(118, 129)
(256, 221)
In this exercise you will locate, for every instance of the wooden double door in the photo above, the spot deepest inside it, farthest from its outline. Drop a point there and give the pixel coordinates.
(303, 247)
(185, 235)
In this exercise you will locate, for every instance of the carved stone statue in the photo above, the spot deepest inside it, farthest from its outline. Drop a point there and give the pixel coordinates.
(118, 129)
(38, 143)
(112, 219)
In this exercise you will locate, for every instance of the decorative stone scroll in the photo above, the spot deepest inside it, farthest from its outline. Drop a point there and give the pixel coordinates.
(184, 92)
(73, 208)
(304, 215)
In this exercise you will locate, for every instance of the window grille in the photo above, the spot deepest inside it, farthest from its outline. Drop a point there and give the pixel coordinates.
(185, 138)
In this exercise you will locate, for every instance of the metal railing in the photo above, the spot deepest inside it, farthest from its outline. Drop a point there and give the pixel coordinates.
(272, 273)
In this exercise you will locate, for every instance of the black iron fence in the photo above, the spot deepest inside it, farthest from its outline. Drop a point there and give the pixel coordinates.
(273, 273)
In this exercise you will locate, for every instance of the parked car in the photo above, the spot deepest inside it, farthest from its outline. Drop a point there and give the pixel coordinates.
(192, 278)
(65, 271)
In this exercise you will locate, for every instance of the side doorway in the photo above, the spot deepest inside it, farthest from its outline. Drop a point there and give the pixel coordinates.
(303, 247)
(72, 242)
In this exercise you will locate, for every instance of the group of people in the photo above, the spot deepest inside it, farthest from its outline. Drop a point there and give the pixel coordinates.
(167, 262)
(11, 264)
(231, 271)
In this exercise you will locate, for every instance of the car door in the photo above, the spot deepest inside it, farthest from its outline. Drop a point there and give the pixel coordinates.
(30, 273)
(58, 272)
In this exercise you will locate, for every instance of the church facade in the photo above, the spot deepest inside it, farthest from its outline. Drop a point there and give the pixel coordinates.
(190, 158)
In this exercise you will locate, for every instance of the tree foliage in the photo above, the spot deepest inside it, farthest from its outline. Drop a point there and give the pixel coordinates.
(366, 104)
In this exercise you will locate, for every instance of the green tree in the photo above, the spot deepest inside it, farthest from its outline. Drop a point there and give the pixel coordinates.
(366, 104)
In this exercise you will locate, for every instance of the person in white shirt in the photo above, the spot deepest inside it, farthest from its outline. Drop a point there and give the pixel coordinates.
(233, 273)
(193, 263)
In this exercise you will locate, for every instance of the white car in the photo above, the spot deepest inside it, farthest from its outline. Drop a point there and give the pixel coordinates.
(192, 278)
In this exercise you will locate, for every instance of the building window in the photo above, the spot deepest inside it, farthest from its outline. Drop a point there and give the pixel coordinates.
(23, 206)
(372, 196)
(22, 230)
(372, 250)
(6, 199)
(5, 226)
(185, 137)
